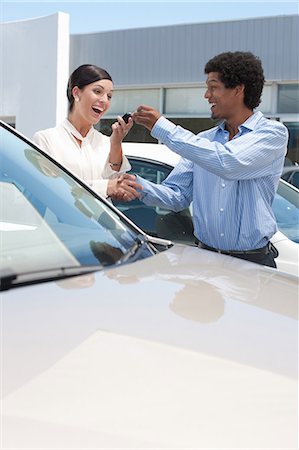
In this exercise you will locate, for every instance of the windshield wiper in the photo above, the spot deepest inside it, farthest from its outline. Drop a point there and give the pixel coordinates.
(10, 279)
(141, 242)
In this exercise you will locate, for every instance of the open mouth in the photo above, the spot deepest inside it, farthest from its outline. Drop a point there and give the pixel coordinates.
(97, 110)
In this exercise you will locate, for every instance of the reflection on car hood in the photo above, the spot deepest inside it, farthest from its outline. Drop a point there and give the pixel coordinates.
(185, 349)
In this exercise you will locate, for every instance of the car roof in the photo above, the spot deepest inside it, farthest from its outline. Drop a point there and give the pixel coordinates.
(155, 152)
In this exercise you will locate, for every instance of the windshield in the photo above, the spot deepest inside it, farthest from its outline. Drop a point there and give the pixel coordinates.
(48, 219)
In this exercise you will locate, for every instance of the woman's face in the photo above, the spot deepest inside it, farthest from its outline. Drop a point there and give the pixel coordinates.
(92, 101)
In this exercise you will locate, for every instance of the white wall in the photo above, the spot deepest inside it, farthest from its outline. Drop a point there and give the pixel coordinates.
(34, 62)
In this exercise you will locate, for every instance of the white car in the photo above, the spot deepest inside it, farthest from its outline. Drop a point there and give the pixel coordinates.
(155, 161)
(113, 339)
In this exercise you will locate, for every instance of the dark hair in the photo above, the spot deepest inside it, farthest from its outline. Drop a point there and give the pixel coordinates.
(236, 68)
(82, 76)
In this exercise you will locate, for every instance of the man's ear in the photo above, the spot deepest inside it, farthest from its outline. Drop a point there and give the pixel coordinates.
(240, 89)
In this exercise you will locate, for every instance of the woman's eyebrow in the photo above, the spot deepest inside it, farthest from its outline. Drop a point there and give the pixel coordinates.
(99, 85)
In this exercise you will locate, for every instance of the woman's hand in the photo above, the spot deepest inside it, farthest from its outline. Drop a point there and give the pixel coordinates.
(124, 188)
(120, 129)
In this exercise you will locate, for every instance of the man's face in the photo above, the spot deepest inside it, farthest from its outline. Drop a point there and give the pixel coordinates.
(223, 100)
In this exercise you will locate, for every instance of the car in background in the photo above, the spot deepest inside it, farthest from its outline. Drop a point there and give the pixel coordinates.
(155, 161)
(290, 174)
(111, 338)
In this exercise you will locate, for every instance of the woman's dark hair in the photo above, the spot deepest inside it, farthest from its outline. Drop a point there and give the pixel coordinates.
(236, 68)
(82, 76)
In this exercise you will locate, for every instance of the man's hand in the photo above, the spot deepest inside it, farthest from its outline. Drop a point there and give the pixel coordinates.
(124, 188)
(146, 116)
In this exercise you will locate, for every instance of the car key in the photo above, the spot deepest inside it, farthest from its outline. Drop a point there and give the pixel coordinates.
(126, 117)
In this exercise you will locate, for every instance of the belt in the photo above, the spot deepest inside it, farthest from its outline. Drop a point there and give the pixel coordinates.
(258, 251)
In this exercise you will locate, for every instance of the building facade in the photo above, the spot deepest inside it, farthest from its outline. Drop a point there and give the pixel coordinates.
(34, 69)
(164, 67)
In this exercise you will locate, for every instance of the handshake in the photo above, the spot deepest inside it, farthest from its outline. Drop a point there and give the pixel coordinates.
(124, 188)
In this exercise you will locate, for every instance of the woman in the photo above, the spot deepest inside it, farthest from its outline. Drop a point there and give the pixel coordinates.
(76, 144)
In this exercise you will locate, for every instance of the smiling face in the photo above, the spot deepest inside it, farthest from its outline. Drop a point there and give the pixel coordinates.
(92, 101)
(224, 101)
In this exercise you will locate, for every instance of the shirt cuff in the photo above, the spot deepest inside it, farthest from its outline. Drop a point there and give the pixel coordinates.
(100, 187)
(161, 129)
(146, 186)
(109, 173)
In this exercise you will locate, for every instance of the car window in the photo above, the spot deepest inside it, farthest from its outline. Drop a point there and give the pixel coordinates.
(48, 214)
(291, 175)
(286, 210)
(155, 220)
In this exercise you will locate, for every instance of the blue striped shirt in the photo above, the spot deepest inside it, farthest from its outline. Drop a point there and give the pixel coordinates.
(232, 183)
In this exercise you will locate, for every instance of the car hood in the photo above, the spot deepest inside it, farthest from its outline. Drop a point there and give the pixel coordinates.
(184, 349)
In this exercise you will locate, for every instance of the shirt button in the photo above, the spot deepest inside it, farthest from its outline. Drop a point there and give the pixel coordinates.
(223, 185)
(221, 209)
(221, 234)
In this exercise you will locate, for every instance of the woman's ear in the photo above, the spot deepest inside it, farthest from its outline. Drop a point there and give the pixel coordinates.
(75, 92)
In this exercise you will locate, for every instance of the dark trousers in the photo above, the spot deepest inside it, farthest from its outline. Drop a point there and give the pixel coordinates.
(264, 256)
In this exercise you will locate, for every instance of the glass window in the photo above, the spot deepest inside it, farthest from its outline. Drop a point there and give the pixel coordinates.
(51, 216)
(286, 210)
(288, 98)
(196, 125)
(136, 134)
(291, 175)
(293, 144)
(10, 120)
(266, 101)
(188, 100)
(141, 134)
(126, 100)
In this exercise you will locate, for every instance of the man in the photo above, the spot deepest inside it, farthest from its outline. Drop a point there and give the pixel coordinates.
(230, 172)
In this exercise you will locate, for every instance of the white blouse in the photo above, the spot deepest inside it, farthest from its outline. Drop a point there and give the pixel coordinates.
(90, 162)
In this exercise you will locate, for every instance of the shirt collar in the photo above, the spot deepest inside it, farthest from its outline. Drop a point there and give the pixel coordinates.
(71, 129)
(249, 124)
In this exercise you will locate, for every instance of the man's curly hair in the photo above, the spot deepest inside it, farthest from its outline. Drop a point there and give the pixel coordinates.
(236, 68)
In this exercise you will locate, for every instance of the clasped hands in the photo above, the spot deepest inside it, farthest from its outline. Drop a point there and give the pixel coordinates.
(124, 188)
